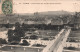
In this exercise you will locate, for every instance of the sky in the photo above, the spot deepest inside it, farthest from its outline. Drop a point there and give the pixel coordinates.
(31, 6)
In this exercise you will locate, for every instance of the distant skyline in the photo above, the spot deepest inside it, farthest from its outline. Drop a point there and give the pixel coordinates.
(22, 6)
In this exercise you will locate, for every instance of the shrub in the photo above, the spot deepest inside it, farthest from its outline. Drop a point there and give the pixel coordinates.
(33, 37)
(71, 48)
(3, 41)
(25, 43)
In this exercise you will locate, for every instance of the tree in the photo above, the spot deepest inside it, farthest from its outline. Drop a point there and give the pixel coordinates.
(72, 40)
(3, 41)
(24, 27)
(71, 48)
(19, 30)
(13, 37)
(45, 38)
(33, 37)
(25, 43)
(39, 45)
(15, 40)
(17, 26)
(10, 35)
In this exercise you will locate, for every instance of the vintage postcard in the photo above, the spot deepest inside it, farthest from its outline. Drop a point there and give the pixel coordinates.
(39, 25)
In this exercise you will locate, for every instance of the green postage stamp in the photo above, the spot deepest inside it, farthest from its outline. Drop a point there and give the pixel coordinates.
(7, 7)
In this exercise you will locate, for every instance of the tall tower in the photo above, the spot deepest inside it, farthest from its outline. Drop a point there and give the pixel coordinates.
(6, 7)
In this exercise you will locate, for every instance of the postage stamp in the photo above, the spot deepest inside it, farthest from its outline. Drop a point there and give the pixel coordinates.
(7, 7)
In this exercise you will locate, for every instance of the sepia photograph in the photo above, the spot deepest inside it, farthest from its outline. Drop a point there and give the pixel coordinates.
(39, 25)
